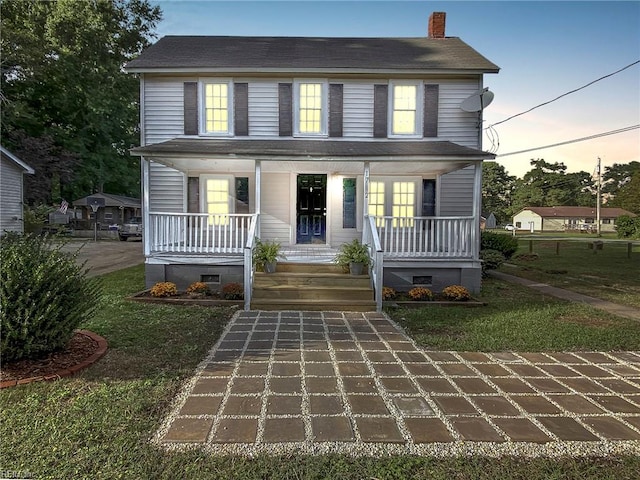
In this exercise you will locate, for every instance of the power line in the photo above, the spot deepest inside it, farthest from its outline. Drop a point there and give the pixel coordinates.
(565, 94)
(590, 137)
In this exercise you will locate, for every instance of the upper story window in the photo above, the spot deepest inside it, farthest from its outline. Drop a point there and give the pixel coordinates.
(310, 114)
(405, 109)
(217, 107)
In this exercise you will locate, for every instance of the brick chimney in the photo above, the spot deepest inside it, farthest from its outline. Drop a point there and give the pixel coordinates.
(437, 22)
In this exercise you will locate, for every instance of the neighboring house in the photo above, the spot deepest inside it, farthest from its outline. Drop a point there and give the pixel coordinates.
(117, 210)
(559, 219)
(488, 221)
(312, 142)
(12, 170)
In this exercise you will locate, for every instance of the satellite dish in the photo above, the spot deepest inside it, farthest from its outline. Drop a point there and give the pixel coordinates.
(478, 101)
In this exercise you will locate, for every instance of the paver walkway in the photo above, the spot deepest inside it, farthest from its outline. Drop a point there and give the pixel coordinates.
(317, 382)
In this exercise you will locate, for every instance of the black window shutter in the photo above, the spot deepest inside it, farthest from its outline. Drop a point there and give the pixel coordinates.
(431, 98)
(191, 108)
(193, 195)
(335, 110)
(241, 109)
(380, 110)
(285, 109)
(428, 198)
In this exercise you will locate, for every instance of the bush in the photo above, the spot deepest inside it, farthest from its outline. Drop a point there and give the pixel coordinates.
(503, 243)
(491, 259)
(420, 294)
(198, 288)
(233, 291)
(44, 296)
(628, 227)
(456, 293)
(164, 289)
(388, 293)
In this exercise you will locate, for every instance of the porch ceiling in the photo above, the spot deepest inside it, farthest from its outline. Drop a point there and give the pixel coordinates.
(340, 156)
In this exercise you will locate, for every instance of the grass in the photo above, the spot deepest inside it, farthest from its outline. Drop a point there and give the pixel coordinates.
(609, 274)
(98, 424)
(517, 318)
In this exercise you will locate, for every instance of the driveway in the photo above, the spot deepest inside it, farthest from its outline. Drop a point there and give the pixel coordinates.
(106, 256)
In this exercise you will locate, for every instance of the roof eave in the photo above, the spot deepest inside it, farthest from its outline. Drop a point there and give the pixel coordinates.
(298, 71)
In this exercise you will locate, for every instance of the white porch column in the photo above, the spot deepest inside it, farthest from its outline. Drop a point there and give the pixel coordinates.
(477, 210)
(258, 172)
(367, 177)
(145, 207)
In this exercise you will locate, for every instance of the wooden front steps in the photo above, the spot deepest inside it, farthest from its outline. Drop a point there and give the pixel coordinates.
(312, 286)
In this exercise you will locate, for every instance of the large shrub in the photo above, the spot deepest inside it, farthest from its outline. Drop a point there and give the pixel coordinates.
(44, 296)
(491, 260)
(503, 243)
(628, 227)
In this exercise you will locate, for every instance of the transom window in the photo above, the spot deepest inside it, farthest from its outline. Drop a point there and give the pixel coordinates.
(406, 109)
(217, 107)
(310, 113)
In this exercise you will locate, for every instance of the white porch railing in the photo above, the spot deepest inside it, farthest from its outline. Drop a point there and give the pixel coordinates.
(370, 238)
(199, 232)
(430, 237)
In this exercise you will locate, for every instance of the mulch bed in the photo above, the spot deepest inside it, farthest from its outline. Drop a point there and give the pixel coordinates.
(83, 350)
(212, 300)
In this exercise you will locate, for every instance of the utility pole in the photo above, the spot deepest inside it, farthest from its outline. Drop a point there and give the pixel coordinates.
(598, 197)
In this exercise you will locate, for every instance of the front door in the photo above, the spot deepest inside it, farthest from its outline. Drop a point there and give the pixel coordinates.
(311, 209)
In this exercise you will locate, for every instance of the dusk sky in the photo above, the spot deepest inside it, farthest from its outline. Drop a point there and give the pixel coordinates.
(544, 49)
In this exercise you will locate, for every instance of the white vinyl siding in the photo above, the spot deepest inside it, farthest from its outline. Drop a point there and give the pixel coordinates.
(166, 189)
(357, 110)
(275, 217)
(456, 193)
(11, 197)
(263, 109)
(455, 124)
(163, 109)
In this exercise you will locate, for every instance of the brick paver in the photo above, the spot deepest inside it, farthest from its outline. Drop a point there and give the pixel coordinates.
(301, 380)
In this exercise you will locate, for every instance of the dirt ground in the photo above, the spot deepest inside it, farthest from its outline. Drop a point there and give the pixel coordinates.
(106, 256)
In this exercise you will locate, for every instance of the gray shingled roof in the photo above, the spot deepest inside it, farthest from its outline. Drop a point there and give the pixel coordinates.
(311, 148)
(291, 54)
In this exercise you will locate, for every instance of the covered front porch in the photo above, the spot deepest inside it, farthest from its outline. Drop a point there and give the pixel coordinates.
(415, 204)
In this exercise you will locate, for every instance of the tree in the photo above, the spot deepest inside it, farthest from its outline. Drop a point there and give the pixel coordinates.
(628, 196)
(497, 187)
(617, 175)
(63, 82)
(548, 185)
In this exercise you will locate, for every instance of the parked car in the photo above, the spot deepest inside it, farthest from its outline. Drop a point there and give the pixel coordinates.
(132, 228)
(509, 227)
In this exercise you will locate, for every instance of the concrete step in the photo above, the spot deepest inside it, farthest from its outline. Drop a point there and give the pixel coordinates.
(308, 268)
(326, 293)
(310, 280)
(310, 305)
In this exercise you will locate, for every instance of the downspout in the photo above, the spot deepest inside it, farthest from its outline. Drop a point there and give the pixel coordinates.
(477, 202)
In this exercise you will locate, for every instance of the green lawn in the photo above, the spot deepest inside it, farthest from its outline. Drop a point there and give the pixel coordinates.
(98, 424)
(608, 274)
(518, 318)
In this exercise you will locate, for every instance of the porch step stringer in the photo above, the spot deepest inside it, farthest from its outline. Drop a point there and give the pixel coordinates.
(312, 287)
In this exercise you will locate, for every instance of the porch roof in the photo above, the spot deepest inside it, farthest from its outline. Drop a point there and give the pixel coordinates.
(298, 149)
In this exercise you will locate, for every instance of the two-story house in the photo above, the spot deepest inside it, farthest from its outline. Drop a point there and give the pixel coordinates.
(312, 142)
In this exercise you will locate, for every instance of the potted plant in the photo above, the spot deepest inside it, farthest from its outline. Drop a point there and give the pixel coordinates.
(354, 256)
(266, 254)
